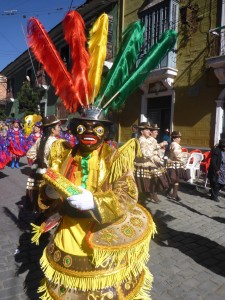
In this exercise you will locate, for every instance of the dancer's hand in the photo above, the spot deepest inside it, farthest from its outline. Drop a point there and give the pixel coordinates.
(82, 201)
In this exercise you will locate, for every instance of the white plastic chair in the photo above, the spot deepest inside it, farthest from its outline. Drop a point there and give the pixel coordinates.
(193, 165)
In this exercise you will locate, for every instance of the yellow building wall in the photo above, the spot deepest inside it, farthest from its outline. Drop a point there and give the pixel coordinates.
(196, 87)
(130, 114)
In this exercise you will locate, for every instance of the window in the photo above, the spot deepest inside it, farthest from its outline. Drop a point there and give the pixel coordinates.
(109, 55)
(159, 16)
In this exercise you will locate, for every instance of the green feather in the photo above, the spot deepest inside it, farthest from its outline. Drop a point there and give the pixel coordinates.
(123, 63)
(148, 63)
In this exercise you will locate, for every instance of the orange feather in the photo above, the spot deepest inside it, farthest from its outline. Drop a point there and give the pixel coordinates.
(74, 31)
(46, 54)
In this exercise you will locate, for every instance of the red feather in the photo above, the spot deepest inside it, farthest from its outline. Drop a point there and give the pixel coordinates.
(46, 54)
(74, 31)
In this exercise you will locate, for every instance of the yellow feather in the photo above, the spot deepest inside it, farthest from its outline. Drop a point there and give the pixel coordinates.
(97, 48)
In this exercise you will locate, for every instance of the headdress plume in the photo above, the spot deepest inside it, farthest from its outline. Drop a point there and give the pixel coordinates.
(74, 32)
(46, 53)
(97, 49)
(148, 63)
(124, 61)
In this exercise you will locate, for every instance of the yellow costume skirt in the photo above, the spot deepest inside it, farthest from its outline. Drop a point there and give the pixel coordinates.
(89, 261)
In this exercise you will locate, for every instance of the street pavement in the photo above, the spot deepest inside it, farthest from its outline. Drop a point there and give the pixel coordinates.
(187, 255)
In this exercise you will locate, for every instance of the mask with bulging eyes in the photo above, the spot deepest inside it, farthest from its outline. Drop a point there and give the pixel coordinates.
(90, 134)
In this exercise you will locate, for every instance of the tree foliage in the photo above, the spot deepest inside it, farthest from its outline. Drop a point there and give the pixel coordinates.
(29, 99)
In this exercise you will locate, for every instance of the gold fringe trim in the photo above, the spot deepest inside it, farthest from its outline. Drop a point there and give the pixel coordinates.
(124, 159)
(144, 292)
(137, 250)
(43, 289)
(93, 282)
(37, 232)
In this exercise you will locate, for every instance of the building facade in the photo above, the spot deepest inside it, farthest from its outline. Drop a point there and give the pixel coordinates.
(185, 92)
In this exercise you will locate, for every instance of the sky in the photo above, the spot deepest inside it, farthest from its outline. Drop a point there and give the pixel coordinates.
(14, 15)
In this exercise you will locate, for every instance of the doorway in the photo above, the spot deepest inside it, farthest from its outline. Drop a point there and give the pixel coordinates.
(159, 112)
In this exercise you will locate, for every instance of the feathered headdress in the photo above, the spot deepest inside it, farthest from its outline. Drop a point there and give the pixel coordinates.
(82, 85)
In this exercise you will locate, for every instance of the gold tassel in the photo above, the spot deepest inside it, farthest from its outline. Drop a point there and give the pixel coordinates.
(37, 232)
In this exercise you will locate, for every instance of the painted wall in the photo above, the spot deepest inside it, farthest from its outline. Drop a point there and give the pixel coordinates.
(196, 87)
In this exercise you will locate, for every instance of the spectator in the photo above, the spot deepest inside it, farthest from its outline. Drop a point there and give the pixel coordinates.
(134, 129)
(216, 172)
(166, 137)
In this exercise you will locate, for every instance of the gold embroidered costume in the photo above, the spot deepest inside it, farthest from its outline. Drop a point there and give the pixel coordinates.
(102, 253)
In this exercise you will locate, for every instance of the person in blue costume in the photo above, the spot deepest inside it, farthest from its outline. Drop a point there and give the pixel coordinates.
(17, 143)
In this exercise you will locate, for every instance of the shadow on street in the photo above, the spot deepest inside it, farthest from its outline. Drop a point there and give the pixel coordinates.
(202, 250)
(27, 254)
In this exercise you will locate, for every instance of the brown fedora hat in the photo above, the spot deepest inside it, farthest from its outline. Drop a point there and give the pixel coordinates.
(50, 120)
(154, 127)
(144, 125)
(176, 134)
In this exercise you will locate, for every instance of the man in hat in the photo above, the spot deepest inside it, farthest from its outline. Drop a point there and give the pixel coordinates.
(17, 143)
(101, 244)
(216, 172)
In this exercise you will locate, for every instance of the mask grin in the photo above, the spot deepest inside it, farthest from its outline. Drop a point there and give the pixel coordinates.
(89, 140)
(90, 135)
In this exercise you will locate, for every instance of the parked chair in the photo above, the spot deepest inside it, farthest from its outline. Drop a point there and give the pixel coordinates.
(184, 150)
(193, 165)
(196, 151)
(204, 165)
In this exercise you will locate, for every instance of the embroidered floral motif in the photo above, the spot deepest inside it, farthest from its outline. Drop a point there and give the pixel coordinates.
(67, 261)
(128, 231)
(136, 212)
(136, 222)
(132, 188)
(109, 236)
(108, 295)
(62, 290)
(51, 248)
(57, 255)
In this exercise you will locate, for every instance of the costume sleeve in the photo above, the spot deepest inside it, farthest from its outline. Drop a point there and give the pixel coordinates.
(32, 152)
(146, 147)
(117, 200)
(60, 149)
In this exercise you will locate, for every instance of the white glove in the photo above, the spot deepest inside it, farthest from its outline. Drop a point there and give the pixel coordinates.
(82, 201)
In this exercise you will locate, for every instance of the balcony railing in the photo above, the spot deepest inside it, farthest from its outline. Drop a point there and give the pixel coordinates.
(217, 45)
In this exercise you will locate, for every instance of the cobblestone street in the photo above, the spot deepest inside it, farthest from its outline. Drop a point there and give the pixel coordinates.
(187, 255)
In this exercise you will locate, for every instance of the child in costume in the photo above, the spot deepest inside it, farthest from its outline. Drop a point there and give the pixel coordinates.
(100, 247)
(17, 143)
